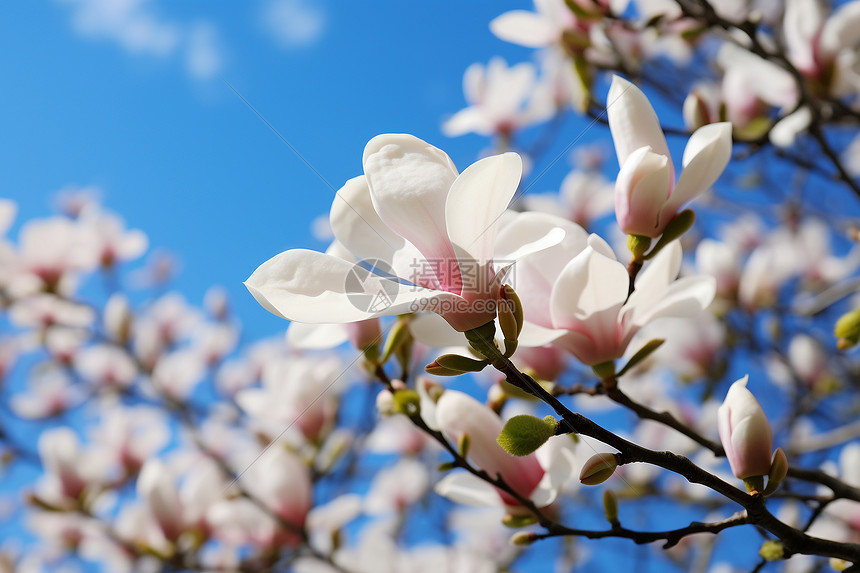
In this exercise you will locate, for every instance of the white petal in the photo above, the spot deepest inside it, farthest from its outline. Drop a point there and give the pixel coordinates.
(633, 122)
(409, 180)
(316, 336)
(533, 336)
(431, 329)
(307, 286)
(357, 226)
(841, 30)
(469, 120)
(590, 283)
(707, 153)
(476, 202)
(462, 487)
(787, 129)
(473, 83)
(685, 297)
(524, 28)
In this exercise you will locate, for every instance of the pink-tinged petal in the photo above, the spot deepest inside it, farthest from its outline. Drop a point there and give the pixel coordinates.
(316, 336)
(745, 432)
(841, 31)
(465, 488)
(707, 153)
(357, 226)
(524, 28)
(801, 26)
(409, 181)
(634, 123)
(770, 82)
(477, 199)
(458, 415)
(307, 286)
(641, 191)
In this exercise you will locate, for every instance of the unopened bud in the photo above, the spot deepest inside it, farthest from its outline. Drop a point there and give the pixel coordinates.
(407, 402)
(510, 313)
(610, 506)
(847, 330)
(437, 369)
(385, 403)
(482, 339)
(515, 521)
(598, 469)
(772, 550)
(461, 363)
(778, 471)
(523, 538)
(396, 338)
(695, 111)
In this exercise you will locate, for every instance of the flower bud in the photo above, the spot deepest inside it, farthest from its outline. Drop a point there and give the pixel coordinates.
(385, 403)
(847, 330)
(772, 550)
(407, 402)
(523, 538)
(610, 506)
(514, 521)
(598, 469)
(461, 363)
(510, 313)
(778, 471)
(745, 432)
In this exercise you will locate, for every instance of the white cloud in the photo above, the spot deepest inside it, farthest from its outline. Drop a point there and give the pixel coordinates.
(293, 23)
(203, 55)
(138, 28)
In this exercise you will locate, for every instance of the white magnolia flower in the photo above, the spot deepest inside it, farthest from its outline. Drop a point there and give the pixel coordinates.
(415, 218)
(646, 195)
(499, 100)
(575, 294)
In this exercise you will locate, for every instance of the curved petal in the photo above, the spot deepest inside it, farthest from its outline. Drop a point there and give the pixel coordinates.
(477, 199)
(841, 30)
(409, 181)
(657, 276)
(307, 286)
(588, 284)
(527, 228)
(788, 128)
(357, 226)
(801, 25)
(468, 120)
(633, 122)
(462, 487)
(707, 153)
(641, 191)
(685, 297)
(524, 28)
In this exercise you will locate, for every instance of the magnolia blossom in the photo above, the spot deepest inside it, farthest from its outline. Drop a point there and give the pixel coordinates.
(538, 477)
(427, 231)
(499, 100)
(646, 195)
(575, 295)
(745, 432)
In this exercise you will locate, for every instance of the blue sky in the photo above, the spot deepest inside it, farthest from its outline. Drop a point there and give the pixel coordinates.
(131, 96)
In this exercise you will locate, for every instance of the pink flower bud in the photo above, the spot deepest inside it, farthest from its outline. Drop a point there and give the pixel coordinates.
(745, 432)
